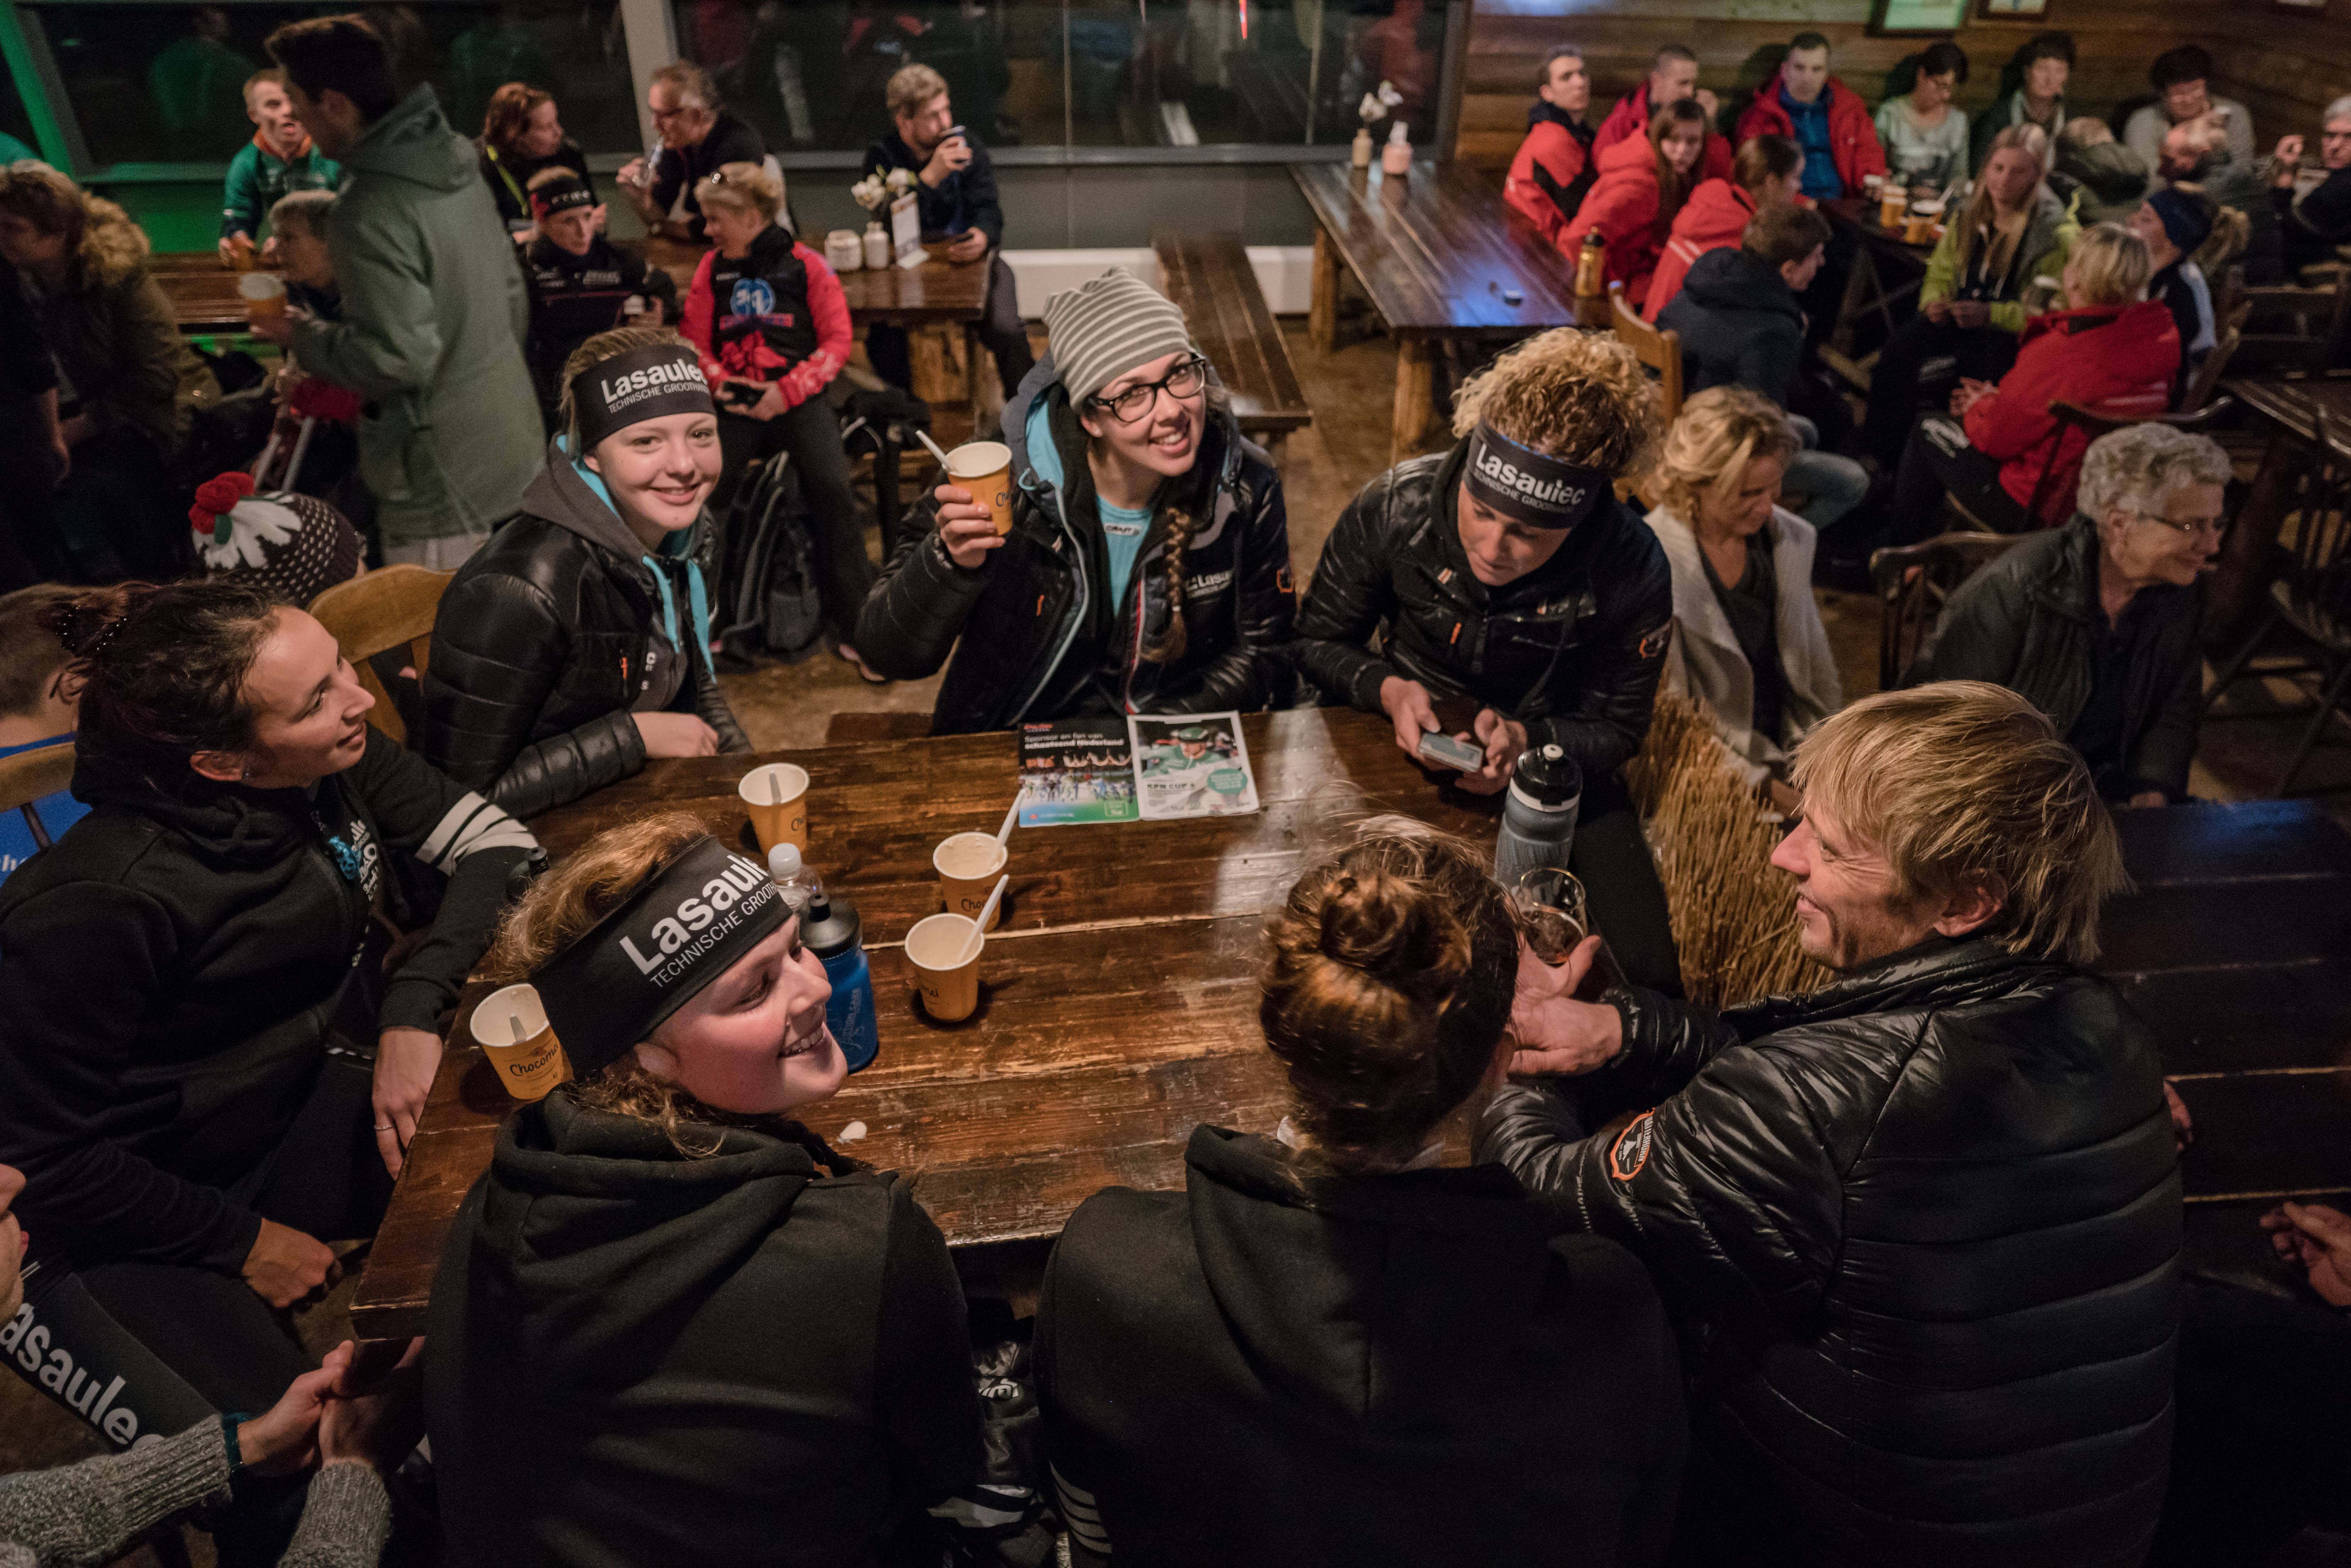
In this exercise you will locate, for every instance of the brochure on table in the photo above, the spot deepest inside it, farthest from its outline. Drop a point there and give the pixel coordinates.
(1080, 770)
(1191, 765)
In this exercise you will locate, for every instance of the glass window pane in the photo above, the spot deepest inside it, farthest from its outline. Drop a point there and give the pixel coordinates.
(165, 84)
(15, 123)
(811, 76)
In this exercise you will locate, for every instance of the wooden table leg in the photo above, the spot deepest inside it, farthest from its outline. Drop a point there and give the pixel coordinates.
(1414, 399)
(2240, 579)
(1323, 310)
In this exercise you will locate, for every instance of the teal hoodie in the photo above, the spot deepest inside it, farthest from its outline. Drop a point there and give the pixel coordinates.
(434, 315)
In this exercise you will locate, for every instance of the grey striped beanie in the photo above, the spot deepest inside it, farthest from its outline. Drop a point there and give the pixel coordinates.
(1108, 325)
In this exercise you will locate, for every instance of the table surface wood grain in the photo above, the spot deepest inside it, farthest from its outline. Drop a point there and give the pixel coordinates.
(1437, 249)
(1119, 998)
(935, 292)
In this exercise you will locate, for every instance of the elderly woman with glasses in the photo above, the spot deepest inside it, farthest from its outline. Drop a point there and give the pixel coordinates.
(1133, 556)
(2096, 622)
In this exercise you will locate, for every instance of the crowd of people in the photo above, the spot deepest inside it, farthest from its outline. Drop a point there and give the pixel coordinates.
(1889, 1273)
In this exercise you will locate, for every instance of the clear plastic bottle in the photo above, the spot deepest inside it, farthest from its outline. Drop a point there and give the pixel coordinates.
(795, 876)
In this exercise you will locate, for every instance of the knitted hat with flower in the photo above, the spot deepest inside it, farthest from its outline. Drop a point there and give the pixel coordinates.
(292, 548)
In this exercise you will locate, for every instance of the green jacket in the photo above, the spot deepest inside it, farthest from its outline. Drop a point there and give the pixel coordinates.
(256, 179)
(434, 315)
(2049, 236)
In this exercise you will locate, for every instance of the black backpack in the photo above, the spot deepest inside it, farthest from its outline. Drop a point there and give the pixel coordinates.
(768, 607)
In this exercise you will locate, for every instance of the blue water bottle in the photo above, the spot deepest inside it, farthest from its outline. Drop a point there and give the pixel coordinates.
(829, 926)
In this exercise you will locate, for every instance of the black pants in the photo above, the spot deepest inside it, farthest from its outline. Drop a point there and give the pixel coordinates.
(1937, 459)
(2262, 1444)
(810, 434)
(138, 1348)
(1611, 858)
(999, 332)
(1823, 298)
(1916, 369)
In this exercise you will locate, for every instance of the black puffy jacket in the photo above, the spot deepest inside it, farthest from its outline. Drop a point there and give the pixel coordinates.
(1573, 650)
(1921, 1230)
(1040, 639)
(552, 636)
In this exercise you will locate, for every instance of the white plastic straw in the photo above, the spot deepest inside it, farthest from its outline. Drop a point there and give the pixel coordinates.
(513, 1021)
(979, 925)
(1011, 815)
(775, 788)
(934, 445)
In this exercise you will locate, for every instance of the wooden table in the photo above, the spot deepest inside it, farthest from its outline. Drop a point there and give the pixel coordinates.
(205, 300)
(1437, 251)
(1209, 276)
(1119, 1001)
(1887, 271)
(2288, 410)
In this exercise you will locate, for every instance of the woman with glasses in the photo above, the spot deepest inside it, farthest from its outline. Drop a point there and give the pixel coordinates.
(2095, 623)
(1147, 568)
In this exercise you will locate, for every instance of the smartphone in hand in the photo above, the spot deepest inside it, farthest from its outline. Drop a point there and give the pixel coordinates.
(1439, 747)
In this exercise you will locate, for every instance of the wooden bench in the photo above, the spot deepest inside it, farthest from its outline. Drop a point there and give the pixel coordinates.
(1210, 278)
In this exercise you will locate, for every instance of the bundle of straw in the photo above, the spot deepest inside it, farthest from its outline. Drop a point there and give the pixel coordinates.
(1734, 916)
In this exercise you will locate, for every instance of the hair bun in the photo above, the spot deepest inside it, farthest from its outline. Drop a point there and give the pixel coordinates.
(1386, 926)
(84, 622)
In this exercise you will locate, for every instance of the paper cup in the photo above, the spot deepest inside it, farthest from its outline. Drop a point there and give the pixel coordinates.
(1919, 227)
(775, 796)
(985, 468)
(968, 866)
(264, 294)
(949, 982)
(536, 1065)
(1892, 203)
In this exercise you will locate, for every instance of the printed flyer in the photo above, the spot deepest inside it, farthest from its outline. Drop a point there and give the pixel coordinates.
(1081, 771)
(1191, 765)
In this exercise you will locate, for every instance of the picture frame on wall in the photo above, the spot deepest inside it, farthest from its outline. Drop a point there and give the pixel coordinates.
(1915, 18)
(2016, 10)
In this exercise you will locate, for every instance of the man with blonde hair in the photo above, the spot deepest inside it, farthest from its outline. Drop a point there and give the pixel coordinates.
(955, 197)
(1921, 1228)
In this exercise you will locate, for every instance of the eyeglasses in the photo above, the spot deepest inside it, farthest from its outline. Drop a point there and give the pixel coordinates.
(2213, 525)
(1136, 402)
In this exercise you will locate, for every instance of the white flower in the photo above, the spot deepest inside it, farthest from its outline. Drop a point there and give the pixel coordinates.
(871, 192)
(1375, 105)
(902, 179)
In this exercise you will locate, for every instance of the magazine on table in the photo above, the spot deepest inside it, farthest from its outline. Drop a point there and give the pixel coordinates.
(1191, 765)
(1080, 770)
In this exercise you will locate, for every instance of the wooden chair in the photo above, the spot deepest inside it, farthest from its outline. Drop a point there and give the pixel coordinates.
(2093, 424)
(389, 607)
(2206, 381)
(2311, 598)
(1913, 582)
(30, 775)
(1661, 351)
(2293, 330)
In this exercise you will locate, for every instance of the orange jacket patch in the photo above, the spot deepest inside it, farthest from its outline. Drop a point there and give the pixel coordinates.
(1630, 1152)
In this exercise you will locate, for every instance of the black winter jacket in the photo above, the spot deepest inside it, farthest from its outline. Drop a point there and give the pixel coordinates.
(2310, 226)
(2030, 620)
(1740, 322)
(1409, 1368)
(1921, 1230)
(169, 971)
(963, 200)
(574, 297)
(553, 635)
(642, 1358)
(1573, 650)
(1040, 640)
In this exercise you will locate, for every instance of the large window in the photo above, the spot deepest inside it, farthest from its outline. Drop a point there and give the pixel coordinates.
(1088, 73)
(165, 83)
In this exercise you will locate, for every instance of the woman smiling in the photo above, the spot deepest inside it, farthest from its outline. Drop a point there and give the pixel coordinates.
(576, 644)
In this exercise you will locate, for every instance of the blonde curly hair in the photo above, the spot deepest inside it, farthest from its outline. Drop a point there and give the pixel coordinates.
(1575, 395)
(1720, 432)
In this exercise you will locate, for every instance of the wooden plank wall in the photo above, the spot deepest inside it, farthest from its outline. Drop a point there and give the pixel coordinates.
(2306, 61)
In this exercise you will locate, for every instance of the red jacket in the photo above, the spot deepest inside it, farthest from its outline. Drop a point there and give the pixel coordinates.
(1853, 135)
(1713, 219)
(1630, 117)
(785, 321)
(2115, 359)
(1622, 206)
(1551, 173)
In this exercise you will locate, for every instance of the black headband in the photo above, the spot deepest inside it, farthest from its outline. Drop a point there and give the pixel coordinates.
(641, 384)
(690, 922)
(1530, 486)
(561, 195)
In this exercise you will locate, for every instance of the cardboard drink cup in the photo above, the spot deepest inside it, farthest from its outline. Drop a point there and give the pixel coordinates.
(1921, 226)
(985, 468)
(264, 294)
(1892, 203)
(968, 866)
(775, 796)
(948, 979)
(528, 1070)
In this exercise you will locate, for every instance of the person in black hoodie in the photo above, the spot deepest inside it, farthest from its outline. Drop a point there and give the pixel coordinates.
(671, 1325)
(954, 191)
(205, 1075)
(576, 644)
(1147, 568)
(1287, 1361)
(1504, 579)
(1920, 1228)
(581, 283)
